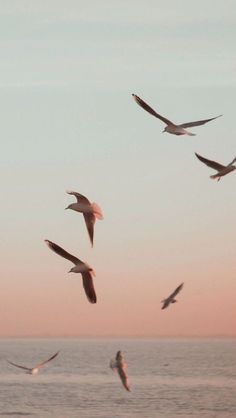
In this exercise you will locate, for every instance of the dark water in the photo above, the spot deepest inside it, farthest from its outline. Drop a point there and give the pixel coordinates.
(169, 378)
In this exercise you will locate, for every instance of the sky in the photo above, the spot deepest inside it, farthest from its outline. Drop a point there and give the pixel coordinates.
(68, 121)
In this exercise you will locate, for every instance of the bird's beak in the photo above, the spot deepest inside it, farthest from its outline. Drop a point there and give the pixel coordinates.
(66, 208)
(163, 131)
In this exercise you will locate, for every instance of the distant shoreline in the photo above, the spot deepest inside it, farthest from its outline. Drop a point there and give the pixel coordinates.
(123, 337)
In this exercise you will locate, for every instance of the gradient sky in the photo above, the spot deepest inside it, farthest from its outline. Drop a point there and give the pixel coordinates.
(68, 121)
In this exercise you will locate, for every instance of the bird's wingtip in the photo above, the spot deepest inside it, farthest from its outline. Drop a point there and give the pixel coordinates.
(49, 243)
(93, 300)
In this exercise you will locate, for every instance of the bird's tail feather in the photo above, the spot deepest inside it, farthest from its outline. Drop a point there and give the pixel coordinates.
(215, 176)
(97, 211)
(190, 133)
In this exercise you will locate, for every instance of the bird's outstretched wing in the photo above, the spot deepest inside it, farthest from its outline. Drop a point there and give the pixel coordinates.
(90, 221)
(80, 198)
(46, 361)
(146, 107)
(210, 163)
(89, 287)
(232, 161)
(113, 364)
(166, 303)
(123, 378)
(176, 291)
(20, 367)
(60, 251)
(198, 122)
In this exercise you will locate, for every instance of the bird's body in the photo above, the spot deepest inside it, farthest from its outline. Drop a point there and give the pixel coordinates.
(171, 299)
(119, 364)
(222, 170)
(91, 212)
(33, 371)
(80, 267)
(81, 207)
(177, 130)
(171, 127)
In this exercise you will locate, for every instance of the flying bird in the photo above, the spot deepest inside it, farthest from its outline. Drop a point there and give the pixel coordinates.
(171, 298)
(119, 364)
(91, 212)
(80, 267)
(35, 369)
(222, 169)
(171, 127)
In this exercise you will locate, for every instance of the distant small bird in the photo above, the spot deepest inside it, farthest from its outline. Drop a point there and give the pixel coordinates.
(171, 127)
(119, 365)
(91, 211)
(222, 169)
(80, 267)
(35, 369)
(171, 298)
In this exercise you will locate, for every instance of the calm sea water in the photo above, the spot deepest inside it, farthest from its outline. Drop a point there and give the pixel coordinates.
(169, 378)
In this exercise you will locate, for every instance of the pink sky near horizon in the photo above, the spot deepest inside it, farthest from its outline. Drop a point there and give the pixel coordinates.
(51, 302)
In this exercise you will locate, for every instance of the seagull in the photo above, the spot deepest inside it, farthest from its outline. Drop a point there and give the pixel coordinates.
(91, 211)
(171, 127)
(222, 169)
(171, 298)
(80, 267)
(35, 369)
(119, 365)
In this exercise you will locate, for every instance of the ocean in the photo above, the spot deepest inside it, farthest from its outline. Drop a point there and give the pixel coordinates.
(169, 378)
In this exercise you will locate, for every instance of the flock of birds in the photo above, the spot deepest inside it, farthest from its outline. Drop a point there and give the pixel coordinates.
(174, 129)
(91, 212)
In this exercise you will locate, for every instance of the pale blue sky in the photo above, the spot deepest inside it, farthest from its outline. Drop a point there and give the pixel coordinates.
(68, 121)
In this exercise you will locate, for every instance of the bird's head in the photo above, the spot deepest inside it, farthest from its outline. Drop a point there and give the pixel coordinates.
(164, 130)
(72, 270)
(118, 355)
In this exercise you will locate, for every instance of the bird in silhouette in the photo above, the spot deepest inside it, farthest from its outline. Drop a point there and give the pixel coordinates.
(171, 299)
(171, 127)
(80, 267)
(222, 170)
(119, 365)
(91, 212)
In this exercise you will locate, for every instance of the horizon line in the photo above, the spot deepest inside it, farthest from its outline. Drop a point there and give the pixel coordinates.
(84, 336)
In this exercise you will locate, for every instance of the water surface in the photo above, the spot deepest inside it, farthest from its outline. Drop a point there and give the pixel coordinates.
(169, 378)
